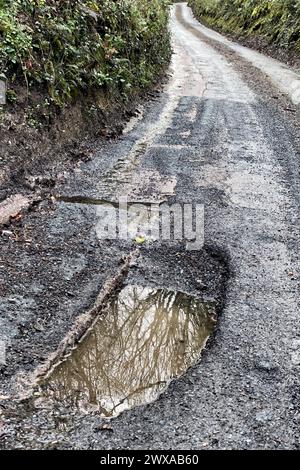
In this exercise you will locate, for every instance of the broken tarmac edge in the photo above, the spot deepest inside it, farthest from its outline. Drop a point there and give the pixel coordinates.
(25, 385)
(12, 206)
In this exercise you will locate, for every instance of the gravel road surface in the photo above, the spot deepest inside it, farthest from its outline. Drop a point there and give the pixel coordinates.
(225, 134)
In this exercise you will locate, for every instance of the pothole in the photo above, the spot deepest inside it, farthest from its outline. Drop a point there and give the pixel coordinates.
(146, 338)
(89, 201)
(85, 200)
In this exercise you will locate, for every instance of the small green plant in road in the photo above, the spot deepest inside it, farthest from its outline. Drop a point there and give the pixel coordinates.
(140, 240)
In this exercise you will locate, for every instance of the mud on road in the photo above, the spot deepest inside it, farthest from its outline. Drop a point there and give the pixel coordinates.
(222, 134)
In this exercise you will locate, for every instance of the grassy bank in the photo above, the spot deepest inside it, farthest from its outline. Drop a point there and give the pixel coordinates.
(278, 21)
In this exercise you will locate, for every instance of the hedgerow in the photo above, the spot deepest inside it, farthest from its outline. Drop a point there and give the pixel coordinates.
(66, 47)
(277, 20)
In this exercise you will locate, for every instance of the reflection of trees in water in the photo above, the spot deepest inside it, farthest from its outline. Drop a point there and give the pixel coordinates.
(147, 337)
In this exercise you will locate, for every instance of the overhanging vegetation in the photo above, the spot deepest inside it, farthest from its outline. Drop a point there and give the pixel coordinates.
(277, 20)
(65, 47)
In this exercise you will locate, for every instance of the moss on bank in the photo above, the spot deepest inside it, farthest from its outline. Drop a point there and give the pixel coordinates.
(278, 21)
(73, 70)
(67, 47)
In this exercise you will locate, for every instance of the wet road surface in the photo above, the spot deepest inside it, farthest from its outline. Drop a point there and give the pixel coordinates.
(222, 134)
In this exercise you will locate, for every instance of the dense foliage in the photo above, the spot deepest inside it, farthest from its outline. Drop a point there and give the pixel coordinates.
(277, 20)
(67, 46)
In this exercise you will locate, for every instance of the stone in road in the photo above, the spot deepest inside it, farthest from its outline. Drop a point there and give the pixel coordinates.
(222, 136)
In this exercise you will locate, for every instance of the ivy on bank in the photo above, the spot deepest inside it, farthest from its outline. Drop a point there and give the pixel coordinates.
(69, 46)
(277, 20)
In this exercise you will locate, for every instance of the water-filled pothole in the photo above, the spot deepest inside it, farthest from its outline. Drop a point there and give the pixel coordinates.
(147, 337)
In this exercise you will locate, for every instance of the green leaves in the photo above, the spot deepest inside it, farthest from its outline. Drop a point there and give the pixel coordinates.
(277, 20)
(72, 45)
(140, 240)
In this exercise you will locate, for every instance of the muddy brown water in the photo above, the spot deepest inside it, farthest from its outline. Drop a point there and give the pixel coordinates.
(147, 337)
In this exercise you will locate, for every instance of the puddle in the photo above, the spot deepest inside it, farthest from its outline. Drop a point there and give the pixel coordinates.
(147, 337)
(85, 200)
(101, 202)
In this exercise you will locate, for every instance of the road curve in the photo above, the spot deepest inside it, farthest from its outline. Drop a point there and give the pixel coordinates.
(239, 156)
(226, 135)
